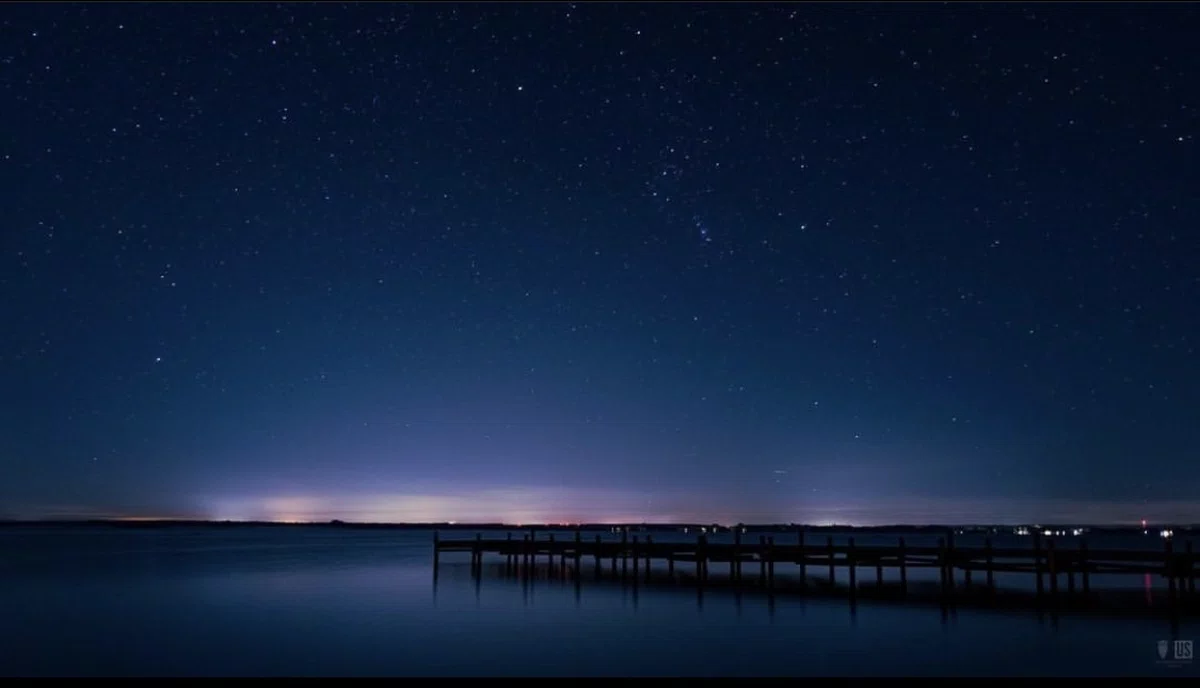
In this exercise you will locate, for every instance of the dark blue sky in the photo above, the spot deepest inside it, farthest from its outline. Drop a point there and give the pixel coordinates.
(595, 261)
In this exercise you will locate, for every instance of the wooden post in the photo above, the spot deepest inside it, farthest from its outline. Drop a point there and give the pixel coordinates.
(550, 556)
(671, 564)
(1169, 567)
(903, 568)
(735, 562)
(634, 548)
(951, 558)
(1052, 564)
(1037, 562)
(1085, 565)
(526, 548)
(852, 563)
(989, 564)
(613, 566)
(508, 548)
(702, 558)
(832, 575)
(879, 572)
(578, 553)
(762, 560)
(624, 552)
(1070, 563)
(436, 552)
(596, 555)
(771, 563)
(649, 555)
(477, 555)
(942, 562)
(1191, 569)
(802, 557)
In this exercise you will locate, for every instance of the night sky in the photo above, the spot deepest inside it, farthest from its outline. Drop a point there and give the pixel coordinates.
(558, 262)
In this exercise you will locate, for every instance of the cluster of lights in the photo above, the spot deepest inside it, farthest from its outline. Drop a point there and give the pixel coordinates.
(1076, 532)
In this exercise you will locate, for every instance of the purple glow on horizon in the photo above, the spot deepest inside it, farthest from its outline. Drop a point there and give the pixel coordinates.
(518, 505)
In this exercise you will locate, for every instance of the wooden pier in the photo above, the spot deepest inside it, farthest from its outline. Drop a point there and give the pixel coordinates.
(1063, 575)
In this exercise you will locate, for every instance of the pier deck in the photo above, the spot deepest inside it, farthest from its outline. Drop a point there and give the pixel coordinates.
(1061, 573)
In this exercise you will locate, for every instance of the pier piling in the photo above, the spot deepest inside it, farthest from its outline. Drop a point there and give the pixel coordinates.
(989, 564)
(802, 557)
(1052, 565)
(596, 554)
(852, 565)
(649, 554)
(1191, 569)
(1037, 562)
(832, 576)
(1084, 565)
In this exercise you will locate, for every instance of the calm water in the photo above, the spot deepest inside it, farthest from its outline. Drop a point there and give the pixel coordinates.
(312, 601)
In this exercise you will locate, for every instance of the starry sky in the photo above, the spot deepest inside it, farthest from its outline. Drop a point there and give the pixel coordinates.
(539, 262)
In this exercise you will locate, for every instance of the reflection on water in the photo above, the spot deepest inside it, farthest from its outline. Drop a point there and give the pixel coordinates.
(303, 601)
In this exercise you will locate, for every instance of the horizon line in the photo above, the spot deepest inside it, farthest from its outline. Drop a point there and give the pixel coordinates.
(65, 520)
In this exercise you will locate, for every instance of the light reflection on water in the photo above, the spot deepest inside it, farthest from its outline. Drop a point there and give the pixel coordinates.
(301, 601)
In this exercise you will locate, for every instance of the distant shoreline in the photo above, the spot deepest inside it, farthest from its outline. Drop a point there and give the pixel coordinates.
(1178, 530)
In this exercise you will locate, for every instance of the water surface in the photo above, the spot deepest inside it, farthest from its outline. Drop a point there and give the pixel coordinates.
(306, 601)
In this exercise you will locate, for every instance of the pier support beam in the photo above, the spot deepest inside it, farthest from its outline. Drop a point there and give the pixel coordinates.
(802, 558)
(832, 575)
(578, 554)
(942, 564)
(624, 552)
(596, 554)
(771, 563)
(951, 561)
(735, 562)
(649, 555)
(1071, 563)
(634, 549)
(852, 564)
(1191, 569)
(990, 564)
(762, 560)
(1085, 565)
(436, 553)
(1037, 562)
(1052, 565)
(1170, 568)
